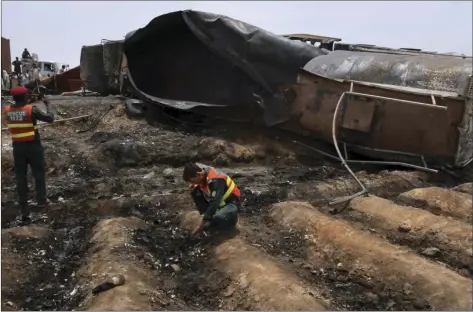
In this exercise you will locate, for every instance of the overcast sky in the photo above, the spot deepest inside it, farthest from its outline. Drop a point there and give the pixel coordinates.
(57, 30)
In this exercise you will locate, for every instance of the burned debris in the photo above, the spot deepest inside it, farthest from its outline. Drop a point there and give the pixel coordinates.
(303, 125)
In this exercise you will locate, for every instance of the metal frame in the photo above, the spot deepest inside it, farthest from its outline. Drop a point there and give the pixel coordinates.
(345, 160)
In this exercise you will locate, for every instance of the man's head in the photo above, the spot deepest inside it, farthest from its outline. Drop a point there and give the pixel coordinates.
(20, 94)
(193, 174)
(63, 66)
(26, 49)
(17, 58)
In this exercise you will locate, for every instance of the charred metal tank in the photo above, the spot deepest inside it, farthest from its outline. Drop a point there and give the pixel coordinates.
(99, 66)
(431, 72)
(384, 121)
(191, 60)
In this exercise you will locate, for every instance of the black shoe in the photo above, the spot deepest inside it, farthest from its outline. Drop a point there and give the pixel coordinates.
(43, 204)
(24, 219)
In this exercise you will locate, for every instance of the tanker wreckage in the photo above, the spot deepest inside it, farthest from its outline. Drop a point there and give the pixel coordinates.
(403, 107)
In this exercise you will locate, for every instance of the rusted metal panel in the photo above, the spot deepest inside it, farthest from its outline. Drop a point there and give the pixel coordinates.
(66, 82)
(92, 70)
(396, 119)
(70, 80)
(6, 55)
(359, 114)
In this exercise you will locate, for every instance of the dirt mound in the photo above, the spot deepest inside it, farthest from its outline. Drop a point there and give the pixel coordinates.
(376, 261)
(440, 201)
(119, 207)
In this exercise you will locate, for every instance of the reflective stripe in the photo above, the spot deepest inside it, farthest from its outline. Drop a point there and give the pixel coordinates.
(22, 135)
(23, 125)
(231, 186)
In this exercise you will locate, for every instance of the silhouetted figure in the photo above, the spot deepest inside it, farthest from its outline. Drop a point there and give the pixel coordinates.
(17, 66)
(26, 54)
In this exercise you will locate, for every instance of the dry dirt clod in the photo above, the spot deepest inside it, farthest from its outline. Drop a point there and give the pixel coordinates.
(167, 173)
(431, 252)
(405, 227)
(175, 267)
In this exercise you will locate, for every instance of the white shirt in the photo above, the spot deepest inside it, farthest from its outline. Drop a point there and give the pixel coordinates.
(35, 74)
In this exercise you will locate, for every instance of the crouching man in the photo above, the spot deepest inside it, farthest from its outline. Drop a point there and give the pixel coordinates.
(215, 195)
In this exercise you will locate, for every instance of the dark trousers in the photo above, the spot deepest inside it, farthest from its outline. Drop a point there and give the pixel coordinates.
(225, 217)
(32, 154)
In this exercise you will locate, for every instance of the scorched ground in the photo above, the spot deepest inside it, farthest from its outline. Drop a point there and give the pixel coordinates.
(119, 206)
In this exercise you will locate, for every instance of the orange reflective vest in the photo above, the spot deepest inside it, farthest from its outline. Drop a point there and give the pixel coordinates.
(20, 123)
(231, 186)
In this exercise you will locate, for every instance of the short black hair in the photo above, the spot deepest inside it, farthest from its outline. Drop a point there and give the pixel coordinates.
(190, 171)
(20, 98)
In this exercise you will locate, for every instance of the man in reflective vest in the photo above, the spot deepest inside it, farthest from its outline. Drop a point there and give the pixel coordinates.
(215, 195)
(21, 119)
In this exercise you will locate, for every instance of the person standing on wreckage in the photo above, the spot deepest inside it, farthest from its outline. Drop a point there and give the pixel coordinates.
(21, 119)
(216, 196)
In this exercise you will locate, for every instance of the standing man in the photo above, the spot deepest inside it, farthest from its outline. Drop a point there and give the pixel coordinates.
(35, 74)
(17, 66)
(21, 119)
(215, 195)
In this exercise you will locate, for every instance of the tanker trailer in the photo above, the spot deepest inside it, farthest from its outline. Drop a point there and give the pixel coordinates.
(421, 71)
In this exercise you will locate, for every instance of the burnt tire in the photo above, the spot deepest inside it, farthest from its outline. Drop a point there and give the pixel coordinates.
(134, 108)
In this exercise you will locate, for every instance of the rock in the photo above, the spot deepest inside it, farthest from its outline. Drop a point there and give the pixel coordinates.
(167, 173)
(431, 252)
(110, 283)
(405, 227)
(149, 175)
(175, 267)
(229, 292)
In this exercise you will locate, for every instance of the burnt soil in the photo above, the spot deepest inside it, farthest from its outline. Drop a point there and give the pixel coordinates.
(121, 167)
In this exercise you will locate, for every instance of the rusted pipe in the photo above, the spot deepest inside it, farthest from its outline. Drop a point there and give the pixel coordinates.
(397, 100)
(373, 162)
(344, 163)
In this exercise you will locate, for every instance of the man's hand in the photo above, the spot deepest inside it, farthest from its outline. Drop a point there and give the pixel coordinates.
(198, 229)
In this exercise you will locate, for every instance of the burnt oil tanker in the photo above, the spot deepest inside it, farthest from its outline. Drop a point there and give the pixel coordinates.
(384, 103)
